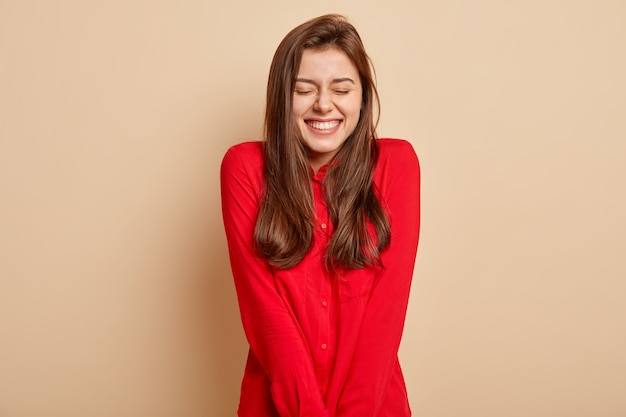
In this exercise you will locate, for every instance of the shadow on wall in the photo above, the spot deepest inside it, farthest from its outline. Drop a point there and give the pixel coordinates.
(228, 346)
(215, 336)
(226, 342)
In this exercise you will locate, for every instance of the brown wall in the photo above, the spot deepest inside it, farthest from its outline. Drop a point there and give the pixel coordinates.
(115, 292)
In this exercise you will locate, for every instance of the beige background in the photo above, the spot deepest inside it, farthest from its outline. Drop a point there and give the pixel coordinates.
(115, 292)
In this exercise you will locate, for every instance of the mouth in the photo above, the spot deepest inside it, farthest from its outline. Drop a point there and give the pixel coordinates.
(327, 126)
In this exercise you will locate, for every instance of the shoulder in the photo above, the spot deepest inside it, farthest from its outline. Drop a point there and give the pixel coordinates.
(248, 151)
(396, 153)
(397, 177)
(243, 164)
(243, 155)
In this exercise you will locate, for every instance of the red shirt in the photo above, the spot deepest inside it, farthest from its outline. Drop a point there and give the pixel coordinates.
(320, 345)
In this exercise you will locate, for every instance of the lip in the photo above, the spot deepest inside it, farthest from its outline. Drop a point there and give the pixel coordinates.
(315, 125)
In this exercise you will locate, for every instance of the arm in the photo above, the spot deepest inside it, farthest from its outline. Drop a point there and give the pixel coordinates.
(377, 347)
(273, 334)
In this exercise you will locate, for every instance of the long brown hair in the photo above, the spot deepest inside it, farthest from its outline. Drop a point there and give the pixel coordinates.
(285, 224)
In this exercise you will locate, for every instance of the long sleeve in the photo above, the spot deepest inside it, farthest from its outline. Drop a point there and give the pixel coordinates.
(376, 351)
(276, 339)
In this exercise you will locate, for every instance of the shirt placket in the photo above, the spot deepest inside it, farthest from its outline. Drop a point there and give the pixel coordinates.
(323, 230)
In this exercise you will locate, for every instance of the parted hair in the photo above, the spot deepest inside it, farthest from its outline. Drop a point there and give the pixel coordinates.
(285, 223)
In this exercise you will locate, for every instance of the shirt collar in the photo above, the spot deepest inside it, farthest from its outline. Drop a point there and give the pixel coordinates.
(321, 173)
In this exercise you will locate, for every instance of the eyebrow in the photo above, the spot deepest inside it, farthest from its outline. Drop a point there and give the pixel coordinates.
(335, 81)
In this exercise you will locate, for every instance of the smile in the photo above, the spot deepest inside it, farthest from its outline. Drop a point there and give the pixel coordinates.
(329, 125)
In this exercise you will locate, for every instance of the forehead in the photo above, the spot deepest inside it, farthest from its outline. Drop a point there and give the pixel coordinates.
(326, 63)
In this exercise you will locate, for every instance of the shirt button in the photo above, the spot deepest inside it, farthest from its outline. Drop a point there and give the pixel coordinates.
(324, 346)
(324, 303)
(323, 225)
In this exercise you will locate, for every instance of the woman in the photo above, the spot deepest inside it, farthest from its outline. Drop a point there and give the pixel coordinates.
(322, 222)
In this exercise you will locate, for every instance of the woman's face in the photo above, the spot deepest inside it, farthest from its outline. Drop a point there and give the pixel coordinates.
(326, 102)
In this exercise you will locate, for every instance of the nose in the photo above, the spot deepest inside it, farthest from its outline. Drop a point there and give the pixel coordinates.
(324, 102)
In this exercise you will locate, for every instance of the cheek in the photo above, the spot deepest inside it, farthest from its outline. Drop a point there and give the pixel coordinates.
(355, 110)
(299, 106)
(353, 106)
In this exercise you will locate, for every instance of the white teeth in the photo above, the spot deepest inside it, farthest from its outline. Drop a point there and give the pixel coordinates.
(324, 125)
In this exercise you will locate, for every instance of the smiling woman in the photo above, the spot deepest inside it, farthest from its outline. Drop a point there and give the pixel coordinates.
(322, 222)
(326, 103)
